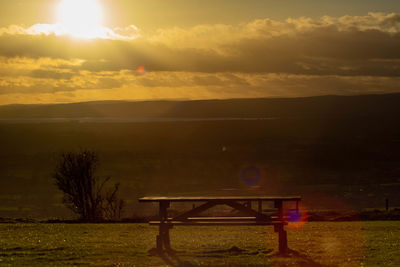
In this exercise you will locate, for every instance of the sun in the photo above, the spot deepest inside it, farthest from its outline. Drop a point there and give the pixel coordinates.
(80, 18)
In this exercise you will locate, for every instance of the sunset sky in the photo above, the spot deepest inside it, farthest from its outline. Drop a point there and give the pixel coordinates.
(56, 51)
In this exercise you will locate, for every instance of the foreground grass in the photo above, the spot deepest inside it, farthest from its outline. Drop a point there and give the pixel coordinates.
(316, 244)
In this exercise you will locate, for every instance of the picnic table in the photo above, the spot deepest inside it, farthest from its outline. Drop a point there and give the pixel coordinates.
(245, 215)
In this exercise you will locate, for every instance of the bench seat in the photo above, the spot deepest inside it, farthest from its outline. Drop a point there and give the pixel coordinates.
(271, 218)
(217, 223)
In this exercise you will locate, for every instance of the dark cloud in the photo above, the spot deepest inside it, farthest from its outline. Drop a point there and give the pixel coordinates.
(47, 74)
(325, 51)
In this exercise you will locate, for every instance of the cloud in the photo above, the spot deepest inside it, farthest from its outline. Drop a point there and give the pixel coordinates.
(351, 46)
(128, 33)
(295, 57)
(259, 85)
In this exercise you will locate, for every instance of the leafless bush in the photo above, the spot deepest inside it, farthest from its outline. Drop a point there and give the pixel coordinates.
(84, 193)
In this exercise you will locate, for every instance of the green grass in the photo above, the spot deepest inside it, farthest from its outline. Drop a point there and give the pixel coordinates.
(316, 244)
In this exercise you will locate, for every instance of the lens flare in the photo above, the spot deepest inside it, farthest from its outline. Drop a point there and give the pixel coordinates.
(141, 70)
(251, 176)
(296, 217)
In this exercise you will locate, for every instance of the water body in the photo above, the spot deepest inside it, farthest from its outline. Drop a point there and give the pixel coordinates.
(123, 120)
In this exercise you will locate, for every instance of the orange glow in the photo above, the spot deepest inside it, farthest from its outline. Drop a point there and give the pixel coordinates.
(141, 70)
(296, 218)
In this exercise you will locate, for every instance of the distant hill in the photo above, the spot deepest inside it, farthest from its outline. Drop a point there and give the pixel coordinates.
(319, 106)
(335, 151)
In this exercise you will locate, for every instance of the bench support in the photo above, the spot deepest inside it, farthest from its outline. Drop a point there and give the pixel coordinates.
(282, 236)
(163, 240)
(251, 217)
(279, 228)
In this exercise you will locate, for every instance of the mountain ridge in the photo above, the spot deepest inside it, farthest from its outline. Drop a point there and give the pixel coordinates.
(315, 106)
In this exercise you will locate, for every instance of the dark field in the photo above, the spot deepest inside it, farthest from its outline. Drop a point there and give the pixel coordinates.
(338, 158)
(316, 244)
(295, 156)
(341, 157)
(346, 162)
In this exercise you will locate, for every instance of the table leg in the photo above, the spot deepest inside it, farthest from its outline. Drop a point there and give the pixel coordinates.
(280, 228)
(159, 242)
(167, 241)
(163, 240)
(279, 206)
(282, 239)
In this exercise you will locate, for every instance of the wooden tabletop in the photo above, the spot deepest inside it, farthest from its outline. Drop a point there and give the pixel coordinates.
(209, 198)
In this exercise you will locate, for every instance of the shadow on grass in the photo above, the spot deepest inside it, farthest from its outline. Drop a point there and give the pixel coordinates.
(301, 259)
(175, 258)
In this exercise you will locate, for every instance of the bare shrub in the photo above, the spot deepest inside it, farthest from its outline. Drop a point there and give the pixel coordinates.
(84, 193)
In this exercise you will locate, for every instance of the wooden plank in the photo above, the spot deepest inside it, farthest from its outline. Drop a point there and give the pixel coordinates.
(229, 218)
(217, 223)
(222, 198)
(220, 218)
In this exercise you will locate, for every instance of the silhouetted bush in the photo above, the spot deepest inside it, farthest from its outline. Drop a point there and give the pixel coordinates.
(84, 193)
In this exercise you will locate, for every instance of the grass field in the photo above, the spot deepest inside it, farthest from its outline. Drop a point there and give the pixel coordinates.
(316, 244)
(354, 161)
